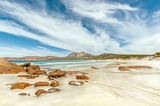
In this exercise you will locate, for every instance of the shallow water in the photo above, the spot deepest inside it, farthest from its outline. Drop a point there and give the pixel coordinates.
(66, 64)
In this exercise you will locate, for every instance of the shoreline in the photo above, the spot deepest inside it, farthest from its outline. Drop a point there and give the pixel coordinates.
(107, 86)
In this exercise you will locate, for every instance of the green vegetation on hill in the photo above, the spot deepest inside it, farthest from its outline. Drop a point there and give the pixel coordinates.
(157, 54)
(87, 56)
(120, 56)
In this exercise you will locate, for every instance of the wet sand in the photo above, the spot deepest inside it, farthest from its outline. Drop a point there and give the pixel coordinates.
(107, 87)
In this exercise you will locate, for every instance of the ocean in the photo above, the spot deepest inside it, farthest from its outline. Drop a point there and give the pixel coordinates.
(66, 64)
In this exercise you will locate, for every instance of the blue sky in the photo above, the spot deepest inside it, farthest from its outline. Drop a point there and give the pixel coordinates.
(59, 27)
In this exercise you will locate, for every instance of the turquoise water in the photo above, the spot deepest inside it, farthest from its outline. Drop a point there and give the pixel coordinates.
(64, 64)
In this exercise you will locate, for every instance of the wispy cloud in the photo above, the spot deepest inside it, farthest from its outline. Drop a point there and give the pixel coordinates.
(13, 51)
(98, 10)
(139, 33)
(57, 31)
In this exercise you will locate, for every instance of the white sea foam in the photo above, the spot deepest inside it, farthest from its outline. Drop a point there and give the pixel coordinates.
(66, 64)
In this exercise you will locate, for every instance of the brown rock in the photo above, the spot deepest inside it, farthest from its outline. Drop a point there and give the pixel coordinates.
(24, 94)
(54, 83)
(35, 69)
(25, 65)
(32, 76)
(76, 83)
(28, 76)
(128, 68)
(22, 75)
(82, 77)
(40, 92)
(53, 90)
(20, 85)
(57, 73)
(122, 68)
(94, 67)
(10, 68)
(37, 84)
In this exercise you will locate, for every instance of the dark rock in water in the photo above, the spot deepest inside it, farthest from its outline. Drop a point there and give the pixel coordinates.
(24, 94)
(53, 90)
(35, 69)
(56, 73)
(25, 65)
(54, 83)
(40, 92)
(20, 85)
(76, 83)
(42, 83)
(82, 77)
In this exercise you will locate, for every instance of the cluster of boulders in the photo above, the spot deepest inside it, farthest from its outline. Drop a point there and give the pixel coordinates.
(137, 67)
(34, 71)
(9, 68)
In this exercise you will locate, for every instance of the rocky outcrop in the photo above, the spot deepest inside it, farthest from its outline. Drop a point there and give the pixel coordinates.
(128, 68)
(41, 83)
(40, 92)
(76, 83)
(35, 69)
(82, 77)
(53, 90)
(79, 55)
(9, 68)
(56, 74)
(54, 83)
(20, 85)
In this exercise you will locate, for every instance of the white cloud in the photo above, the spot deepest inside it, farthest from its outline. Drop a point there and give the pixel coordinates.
(13, 51)
(60, 33)
(98, 10)
(140, 34)
(71, 35)
(157, 13)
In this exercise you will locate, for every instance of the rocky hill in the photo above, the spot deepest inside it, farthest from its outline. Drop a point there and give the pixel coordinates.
(84, 55)
(79, 55)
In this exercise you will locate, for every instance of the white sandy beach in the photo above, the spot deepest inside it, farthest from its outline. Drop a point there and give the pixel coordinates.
(107, 87)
